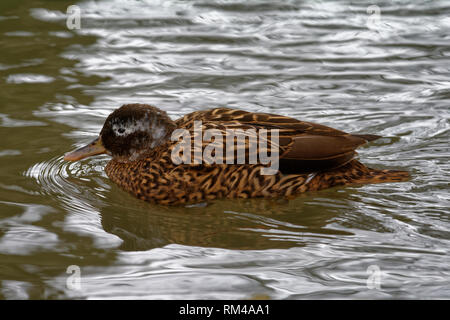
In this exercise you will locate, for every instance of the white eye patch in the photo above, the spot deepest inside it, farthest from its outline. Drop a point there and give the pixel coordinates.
(158, 132)
(126, 128)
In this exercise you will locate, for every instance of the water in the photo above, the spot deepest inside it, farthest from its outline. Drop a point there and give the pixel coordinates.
(336, 63)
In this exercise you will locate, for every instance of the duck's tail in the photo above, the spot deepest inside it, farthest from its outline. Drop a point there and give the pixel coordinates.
(354, 172)
(363, 174)
(381, 176)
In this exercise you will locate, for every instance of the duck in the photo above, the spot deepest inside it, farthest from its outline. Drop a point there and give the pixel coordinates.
(154, 159)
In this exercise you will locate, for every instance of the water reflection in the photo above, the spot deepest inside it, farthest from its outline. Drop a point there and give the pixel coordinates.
(249, 224)
(313, 60)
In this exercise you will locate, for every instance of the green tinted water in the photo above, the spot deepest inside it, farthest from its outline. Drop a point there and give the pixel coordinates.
(316, 61)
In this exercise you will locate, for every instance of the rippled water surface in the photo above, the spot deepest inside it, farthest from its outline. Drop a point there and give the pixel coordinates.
(338, 63)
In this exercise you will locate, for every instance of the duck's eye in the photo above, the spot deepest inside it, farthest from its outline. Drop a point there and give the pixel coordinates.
(121, 130)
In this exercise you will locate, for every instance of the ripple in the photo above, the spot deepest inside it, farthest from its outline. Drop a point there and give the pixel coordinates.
(24, 240)
(8, 122)
(80, 189)
(29, 78)
(55, 176)
(76, 184)
(5, 153)
(315, 61)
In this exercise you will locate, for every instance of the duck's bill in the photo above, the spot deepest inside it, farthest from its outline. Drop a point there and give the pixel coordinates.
(94, 148)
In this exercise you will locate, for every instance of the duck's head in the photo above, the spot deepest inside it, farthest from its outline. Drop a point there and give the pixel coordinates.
(128, 132)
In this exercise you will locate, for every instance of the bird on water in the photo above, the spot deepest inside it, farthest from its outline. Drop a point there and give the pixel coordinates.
(310, 157)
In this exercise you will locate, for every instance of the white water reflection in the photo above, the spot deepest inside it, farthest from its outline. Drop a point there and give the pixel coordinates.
(313, 60)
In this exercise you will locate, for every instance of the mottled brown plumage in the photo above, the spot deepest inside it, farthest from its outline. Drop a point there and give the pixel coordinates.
(312, 157)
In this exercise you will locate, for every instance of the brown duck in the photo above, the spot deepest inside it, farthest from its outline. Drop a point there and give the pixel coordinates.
(140, 139)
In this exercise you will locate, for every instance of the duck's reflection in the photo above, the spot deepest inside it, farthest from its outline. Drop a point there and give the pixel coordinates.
(233, 224)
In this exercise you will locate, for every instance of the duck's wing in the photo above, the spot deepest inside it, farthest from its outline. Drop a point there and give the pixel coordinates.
(304, 146)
